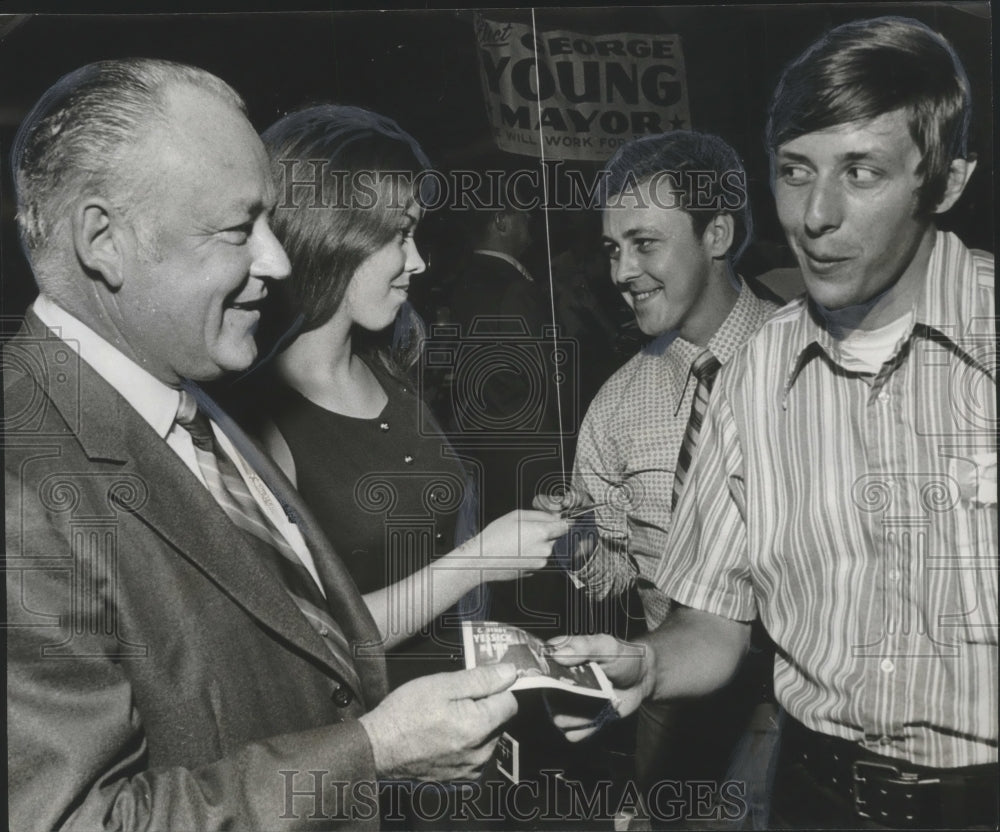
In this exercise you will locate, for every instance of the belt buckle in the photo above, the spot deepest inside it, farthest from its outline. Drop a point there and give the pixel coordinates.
(858, 767)
(889, 775)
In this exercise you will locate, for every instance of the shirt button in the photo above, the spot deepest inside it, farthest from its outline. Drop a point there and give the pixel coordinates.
(324, 631)
(384, 427)
(885, 741)
(893, 574)
(887, 666)
(408, 459)
(342, 697)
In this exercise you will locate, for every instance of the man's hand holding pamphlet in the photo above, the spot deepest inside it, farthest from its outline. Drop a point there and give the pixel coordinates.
(492, 642)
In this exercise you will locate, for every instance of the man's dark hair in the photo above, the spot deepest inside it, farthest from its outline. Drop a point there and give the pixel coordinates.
(863, 69)
(706, 175)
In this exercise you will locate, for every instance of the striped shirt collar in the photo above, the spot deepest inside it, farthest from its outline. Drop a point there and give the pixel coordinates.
(945, 307)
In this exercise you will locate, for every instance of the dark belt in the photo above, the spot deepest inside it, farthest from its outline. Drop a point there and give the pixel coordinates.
(893, 792)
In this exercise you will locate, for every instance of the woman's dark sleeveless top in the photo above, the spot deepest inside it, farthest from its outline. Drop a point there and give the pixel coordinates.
(388, 493)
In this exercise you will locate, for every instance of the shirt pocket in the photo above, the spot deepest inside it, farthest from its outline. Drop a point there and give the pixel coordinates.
(976, 544)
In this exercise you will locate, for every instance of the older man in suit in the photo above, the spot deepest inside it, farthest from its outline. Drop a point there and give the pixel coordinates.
(185, 651)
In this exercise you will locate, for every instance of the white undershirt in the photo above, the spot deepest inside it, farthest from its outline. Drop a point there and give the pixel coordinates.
(866, 351)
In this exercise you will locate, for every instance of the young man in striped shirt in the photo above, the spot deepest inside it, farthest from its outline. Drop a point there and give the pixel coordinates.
(845, 482)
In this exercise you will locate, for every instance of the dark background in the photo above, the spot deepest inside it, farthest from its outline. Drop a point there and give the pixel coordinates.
(420, 67)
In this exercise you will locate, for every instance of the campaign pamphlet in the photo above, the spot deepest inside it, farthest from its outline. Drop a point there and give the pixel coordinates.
(491, 642)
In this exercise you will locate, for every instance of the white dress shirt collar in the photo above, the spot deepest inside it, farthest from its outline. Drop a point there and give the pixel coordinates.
(155, 401)
(157, 404)
(507, 259)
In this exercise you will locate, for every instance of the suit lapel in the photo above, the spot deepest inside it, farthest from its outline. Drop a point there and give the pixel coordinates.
(223, 552)
(344, 601)
(108, 429)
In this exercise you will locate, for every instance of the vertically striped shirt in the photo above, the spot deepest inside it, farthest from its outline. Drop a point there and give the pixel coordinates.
(628, 447)
(859, 515)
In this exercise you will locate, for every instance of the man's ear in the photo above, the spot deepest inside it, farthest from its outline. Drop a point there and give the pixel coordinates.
(959, 173)
(718, 236)
(98, 235)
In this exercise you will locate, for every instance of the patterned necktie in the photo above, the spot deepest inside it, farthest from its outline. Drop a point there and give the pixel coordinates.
(705, 368)
(231, 493)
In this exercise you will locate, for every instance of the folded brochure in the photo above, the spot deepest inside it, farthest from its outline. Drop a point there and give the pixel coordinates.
(491, 642)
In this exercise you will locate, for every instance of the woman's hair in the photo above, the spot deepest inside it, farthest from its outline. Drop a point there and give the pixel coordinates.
(344, 175)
